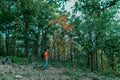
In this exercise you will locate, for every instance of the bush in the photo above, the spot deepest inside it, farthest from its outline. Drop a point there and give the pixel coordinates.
(55, 64)
(16, 59)
(95, 78)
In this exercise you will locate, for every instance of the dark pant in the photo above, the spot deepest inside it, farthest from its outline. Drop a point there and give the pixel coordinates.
(45, 63)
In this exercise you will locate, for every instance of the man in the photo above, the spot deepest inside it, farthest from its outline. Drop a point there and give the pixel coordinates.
(45, 59)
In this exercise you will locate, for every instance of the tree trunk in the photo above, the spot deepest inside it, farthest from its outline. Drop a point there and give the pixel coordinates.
(43, 42)
(88, 60)
(90, 49)
(91, 62)
(64, 54)
(7, 42)
(39, 41)
(26, 40)
(96, 47)
(71, 55)
(112, 62)
(96, 64)
(53, 47)
(102, 61)
(14, 40)
(35, 47)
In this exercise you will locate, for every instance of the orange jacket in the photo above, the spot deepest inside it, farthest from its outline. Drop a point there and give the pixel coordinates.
(45, 55)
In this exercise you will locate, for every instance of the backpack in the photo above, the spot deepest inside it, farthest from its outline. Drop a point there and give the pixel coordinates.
(42, 56)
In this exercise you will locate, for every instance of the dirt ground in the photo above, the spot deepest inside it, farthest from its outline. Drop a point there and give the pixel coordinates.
(34, 71)
(28, 72)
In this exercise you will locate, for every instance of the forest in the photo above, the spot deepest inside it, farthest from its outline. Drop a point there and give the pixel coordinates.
(83, 43)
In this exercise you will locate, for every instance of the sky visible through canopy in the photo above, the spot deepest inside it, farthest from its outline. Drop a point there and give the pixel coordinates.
(71, 3)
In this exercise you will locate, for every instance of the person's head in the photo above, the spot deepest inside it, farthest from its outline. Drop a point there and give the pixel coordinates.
(45, 49)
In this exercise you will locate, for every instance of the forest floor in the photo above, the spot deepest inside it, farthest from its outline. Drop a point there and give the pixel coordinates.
(35, 72)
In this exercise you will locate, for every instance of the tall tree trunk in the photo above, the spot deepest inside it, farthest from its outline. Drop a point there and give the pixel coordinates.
(39, 42)
(102, 61)
(36, 44)
(35, 47)
(96, 47)
(112, 64)
(92, 62)
(90, 49)
(71, 54)
(96, 66)
(42, 41)
(14, 40)
(26, 40)
(7, 41)
(58, 53)
(88, 60)
(64, 48)
(54, 48)
(64, 52)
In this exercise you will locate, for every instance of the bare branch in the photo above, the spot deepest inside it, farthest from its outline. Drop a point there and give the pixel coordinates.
(109, 4)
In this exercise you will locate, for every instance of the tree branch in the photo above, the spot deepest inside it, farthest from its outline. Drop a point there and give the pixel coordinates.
(96, 7)
(109, 4)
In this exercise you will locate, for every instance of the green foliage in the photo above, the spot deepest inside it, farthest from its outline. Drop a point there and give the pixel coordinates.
(18, 60)
(22, 23)
(74, 75)
(56, 64)
(2, 46)
(93, 27)
(94, 78)
(66, 64)
(108, 73)
(68, 73)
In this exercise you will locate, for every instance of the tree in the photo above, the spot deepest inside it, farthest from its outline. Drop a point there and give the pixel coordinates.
(95, 20)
